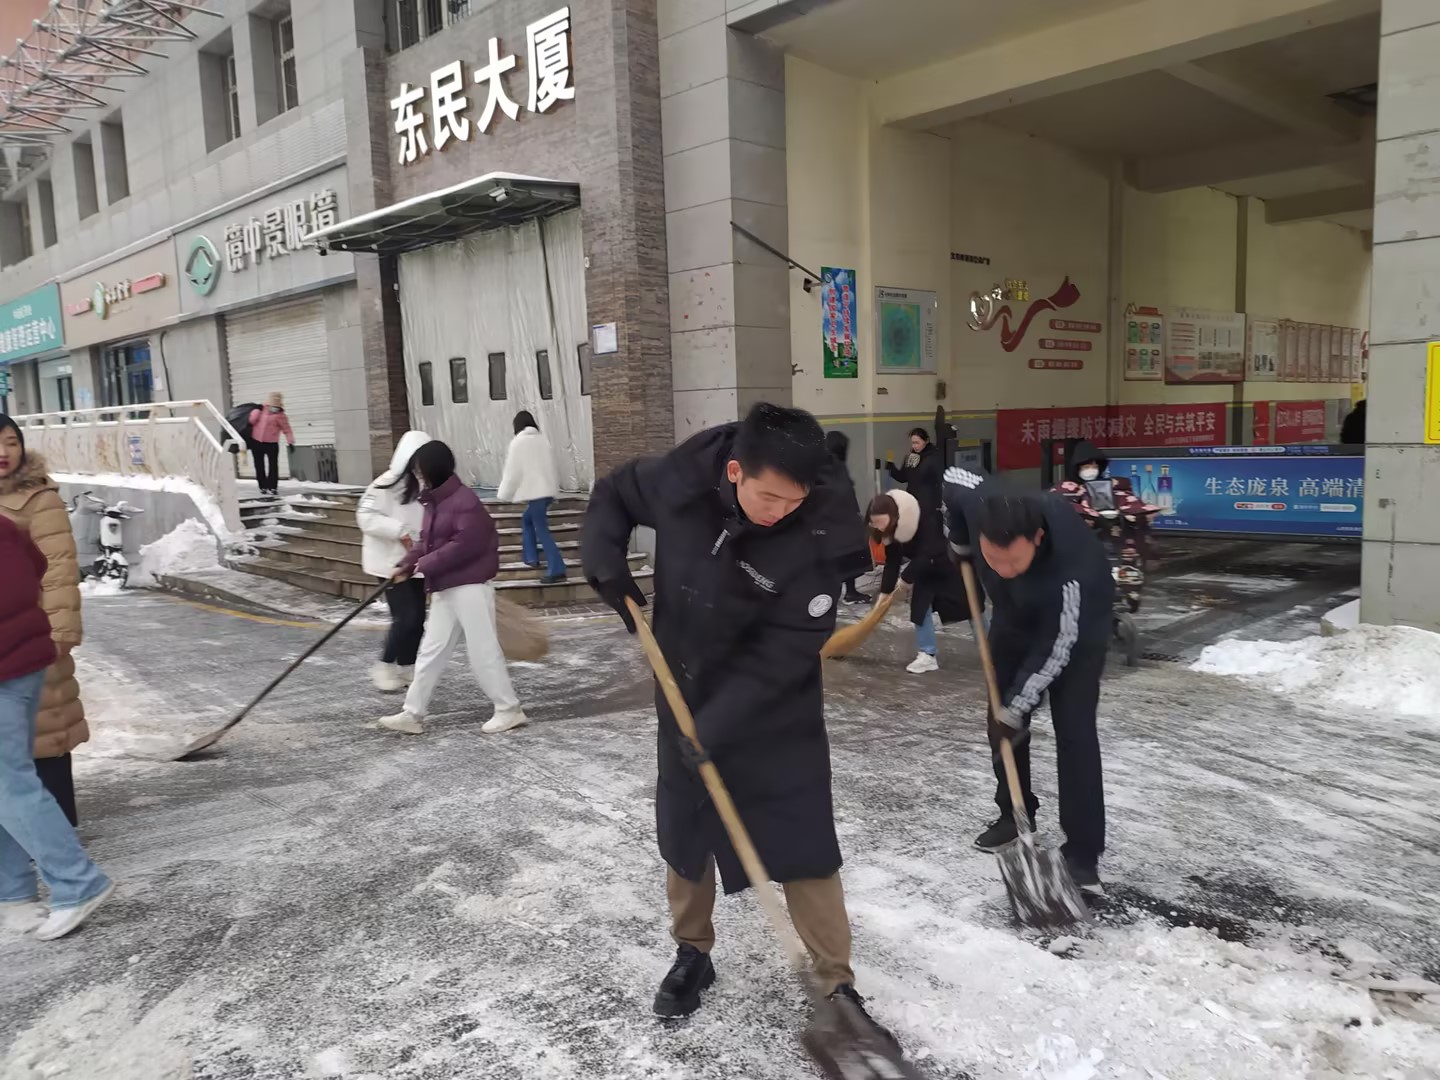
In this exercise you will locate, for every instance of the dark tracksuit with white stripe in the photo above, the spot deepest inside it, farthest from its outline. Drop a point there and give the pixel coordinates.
(1049, 633)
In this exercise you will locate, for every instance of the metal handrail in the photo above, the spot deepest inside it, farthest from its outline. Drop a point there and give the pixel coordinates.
(67, 416)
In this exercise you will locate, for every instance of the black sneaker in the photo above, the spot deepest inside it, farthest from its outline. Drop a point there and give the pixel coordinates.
(857, 597)
(1001, 833)
(1086, 878)
(553, 579)
(849, 992)
(679, 993)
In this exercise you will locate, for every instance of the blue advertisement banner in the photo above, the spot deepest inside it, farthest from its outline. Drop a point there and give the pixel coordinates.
(1260, 491)
(31, 324)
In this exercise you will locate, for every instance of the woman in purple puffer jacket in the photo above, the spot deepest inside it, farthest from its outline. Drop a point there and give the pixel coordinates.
(458, 554)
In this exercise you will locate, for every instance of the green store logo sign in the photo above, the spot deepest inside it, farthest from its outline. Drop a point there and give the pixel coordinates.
(202, 266)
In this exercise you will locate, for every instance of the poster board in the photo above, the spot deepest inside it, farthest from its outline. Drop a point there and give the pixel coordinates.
(1204, 346)
(907, 326)
(1262, 349)
(1144, 344)
(838, 325)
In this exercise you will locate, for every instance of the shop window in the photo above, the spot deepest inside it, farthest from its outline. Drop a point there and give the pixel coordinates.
(82, 155)
(542, 373)
(427, 383)
(65, 393)
(497, 376)
(285, 63)
(459, 381)
(583, 354)
(126, 376)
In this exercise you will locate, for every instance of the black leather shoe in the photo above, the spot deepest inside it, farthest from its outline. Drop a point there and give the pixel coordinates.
(845, 990)
(679, 993)
(1001, 833)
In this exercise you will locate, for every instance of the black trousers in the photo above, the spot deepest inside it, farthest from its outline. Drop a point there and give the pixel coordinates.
(1074, 696)
(59, 780)
(267, 465)
(407, 621)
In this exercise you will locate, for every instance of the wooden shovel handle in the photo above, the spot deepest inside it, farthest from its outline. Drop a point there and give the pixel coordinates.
(720, 796)
(1007, 750)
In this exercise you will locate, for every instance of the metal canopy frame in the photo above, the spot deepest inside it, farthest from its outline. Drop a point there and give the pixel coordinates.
(492, 201)
(69, 60)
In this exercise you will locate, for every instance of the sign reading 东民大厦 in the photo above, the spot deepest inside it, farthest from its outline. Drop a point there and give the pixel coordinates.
(1251, 490)
(31, 324)
(548, 72)
(262, 248)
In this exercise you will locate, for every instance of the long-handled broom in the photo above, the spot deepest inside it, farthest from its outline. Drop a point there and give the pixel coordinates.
(1042, 893)
(849, 638)
(843, 1042)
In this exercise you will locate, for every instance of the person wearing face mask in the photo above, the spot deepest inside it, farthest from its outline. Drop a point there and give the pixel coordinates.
(267, 424)
(753, 533)
(1091, 492)
(1051, 591)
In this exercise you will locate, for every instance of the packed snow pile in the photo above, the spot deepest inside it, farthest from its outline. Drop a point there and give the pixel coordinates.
(1394, 669)
(188, 546)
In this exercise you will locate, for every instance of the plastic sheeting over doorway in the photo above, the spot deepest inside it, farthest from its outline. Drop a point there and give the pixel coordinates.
(493, 324)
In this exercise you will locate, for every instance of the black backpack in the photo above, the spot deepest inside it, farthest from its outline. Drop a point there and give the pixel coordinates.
(239, 418)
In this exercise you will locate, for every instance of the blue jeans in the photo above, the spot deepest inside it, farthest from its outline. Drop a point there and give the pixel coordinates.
(535, 531)
(32, 825)
(925, 633)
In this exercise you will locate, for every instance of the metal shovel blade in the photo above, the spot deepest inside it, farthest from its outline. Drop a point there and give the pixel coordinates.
(847, 1045)
(1042, 892)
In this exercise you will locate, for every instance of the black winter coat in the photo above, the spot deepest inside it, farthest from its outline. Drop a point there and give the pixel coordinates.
(925, 478)
(741, 613)
(930, 572)
(1061, 605)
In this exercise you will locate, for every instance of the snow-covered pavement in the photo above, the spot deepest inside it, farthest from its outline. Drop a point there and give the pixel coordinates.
(325, 899)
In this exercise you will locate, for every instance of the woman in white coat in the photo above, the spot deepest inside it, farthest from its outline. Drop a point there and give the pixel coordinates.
(390, 516)
(530, 477)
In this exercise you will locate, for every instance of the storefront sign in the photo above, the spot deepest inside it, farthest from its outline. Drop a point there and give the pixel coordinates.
(1287, 491)
(838, 323)
(909, 330)
(1079, 326)
(127, 298)
(549, 75)
(1019, 432)
(1144, 344)
(31, 324)
(261, 248)
(1299, 422)
(1055, 363)
(1205, 346)
(978, 260)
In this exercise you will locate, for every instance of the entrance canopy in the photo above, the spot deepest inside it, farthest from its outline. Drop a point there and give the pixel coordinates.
(487, 202)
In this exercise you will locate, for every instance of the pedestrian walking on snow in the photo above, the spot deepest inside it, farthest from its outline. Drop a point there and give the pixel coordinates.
(750, 549)
(923, 469)
(912, 532)
(390, 517)
(837, 443)
(31, 499)
(33, 828)
(530, 477)
(1049, 582)
(458, 554)
(267, 424)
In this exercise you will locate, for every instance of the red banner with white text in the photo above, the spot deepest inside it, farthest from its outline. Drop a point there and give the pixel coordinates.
(1019, 432)
(1283, 423)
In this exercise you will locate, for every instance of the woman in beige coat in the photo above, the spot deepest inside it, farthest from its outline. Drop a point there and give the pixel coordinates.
(32, 500)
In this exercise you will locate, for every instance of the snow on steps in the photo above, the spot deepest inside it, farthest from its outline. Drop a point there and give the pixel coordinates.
(310, 540)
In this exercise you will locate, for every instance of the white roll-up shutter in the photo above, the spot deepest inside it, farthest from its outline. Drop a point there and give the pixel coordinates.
(283, 347)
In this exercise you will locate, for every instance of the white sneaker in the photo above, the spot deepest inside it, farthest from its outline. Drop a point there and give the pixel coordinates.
(504, 721)
(407, 674)
(405, 722)
(64, 920)
(922, 664)
(387, 678)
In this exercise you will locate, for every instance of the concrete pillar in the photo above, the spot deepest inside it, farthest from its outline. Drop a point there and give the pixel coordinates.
(723, 136)
(1401, 559)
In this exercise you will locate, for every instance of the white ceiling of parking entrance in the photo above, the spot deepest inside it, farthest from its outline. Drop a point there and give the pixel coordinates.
(867, 40)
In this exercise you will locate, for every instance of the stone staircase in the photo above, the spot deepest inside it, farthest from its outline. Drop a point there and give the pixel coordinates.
(310, 540)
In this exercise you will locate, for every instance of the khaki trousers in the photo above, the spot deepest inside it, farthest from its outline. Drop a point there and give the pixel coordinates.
(817, 910)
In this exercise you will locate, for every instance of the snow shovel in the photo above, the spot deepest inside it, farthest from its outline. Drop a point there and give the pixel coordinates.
(209, 739)
(843, 1042)
(849, 638)
(1042, 892)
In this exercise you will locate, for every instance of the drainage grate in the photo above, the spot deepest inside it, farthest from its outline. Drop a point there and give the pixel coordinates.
(1162, 657)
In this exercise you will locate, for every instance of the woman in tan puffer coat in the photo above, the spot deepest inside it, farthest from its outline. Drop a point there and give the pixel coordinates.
(32, 500)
